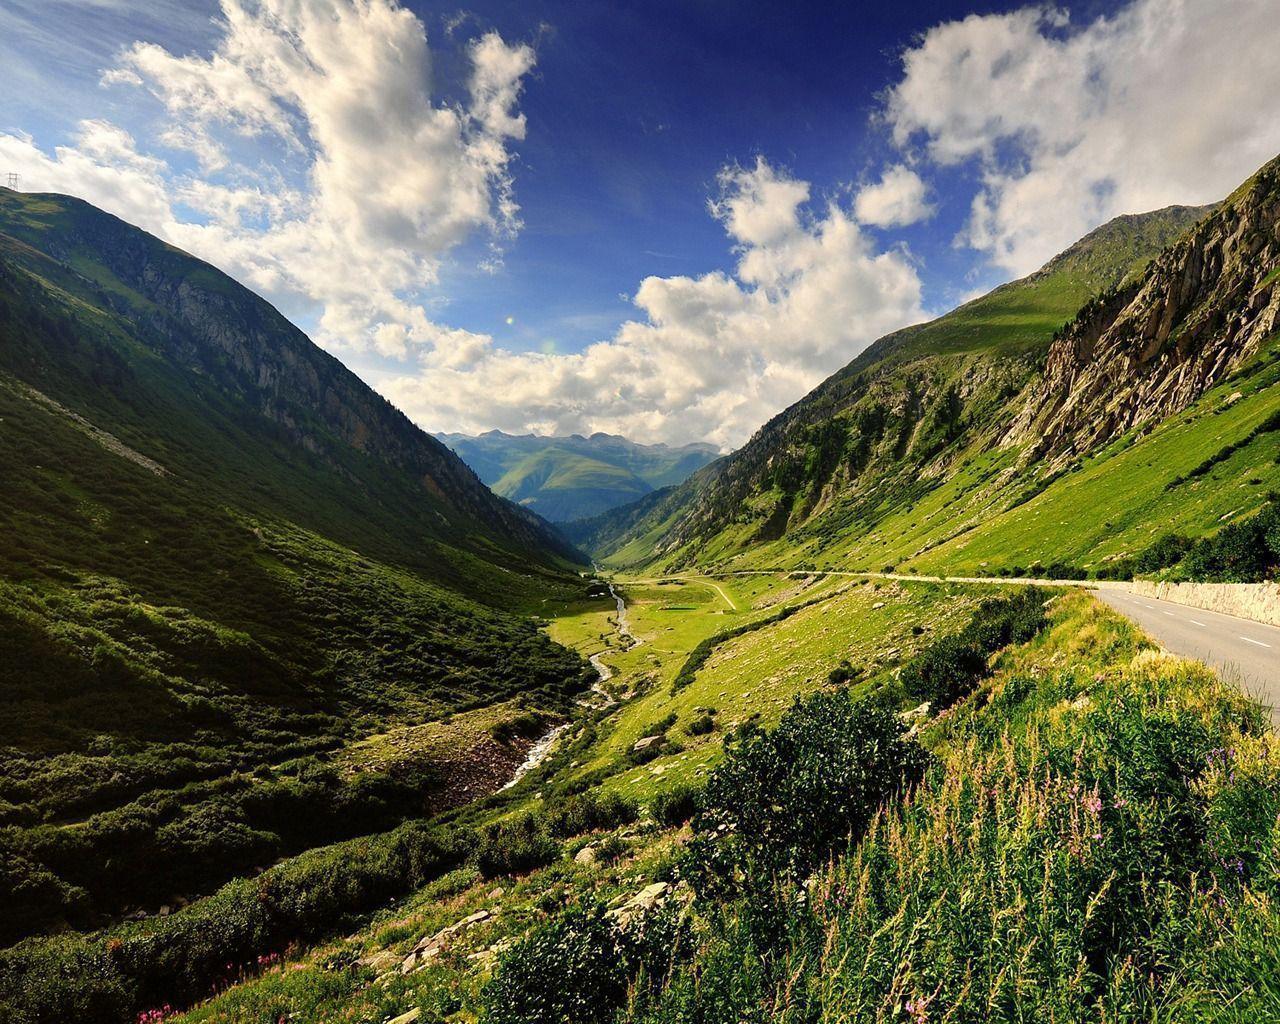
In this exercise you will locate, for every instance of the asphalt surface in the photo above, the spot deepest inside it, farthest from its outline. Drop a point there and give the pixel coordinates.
(1245, 652)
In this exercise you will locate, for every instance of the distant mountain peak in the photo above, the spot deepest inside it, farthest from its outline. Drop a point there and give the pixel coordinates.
(572, 476)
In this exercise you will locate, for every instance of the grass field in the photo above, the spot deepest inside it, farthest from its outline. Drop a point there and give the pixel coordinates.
(752, 677)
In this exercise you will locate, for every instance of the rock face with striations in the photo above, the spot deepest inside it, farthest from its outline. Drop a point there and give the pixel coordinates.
(1150, 348)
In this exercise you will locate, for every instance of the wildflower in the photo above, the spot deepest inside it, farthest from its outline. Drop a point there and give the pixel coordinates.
(1093, 803)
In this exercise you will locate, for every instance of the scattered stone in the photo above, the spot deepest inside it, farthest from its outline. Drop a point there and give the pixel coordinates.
(166, 910)
(407, 1018)
(646, 742)
(641, 903)
(495, 892)
(586, 856)
(381, 961)
(432, 946)
(878, 604)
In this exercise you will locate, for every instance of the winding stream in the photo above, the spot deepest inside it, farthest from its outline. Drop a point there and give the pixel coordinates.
(542, 746)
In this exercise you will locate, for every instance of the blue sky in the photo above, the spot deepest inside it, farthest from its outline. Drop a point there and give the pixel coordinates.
(660, 219)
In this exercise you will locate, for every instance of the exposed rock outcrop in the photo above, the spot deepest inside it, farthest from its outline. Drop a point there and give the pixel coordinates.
(1152, 347)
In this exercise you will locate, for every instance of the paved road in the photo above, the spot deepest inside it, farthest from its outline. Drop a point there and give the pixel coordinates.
(1243, 651)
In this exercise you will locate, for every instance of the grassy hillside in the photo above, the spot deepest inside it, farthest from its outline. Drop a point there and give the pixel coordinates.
(894, 423)
(561, 485)
(1123, 392)
(213, 591)
(571, 478)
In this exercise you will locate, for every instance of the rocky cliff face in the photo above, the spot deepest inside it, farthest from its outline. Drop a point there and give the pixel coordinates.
(1147, 350)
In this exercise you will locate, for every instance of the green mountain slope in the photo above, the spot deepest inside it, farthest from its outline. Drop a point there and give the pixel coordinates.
(226, 561)
(562, 485)
(575, 477)
(942, 443)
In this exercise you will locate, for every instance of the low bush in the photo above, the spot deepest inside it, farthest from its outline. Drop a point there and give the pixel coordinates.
(580, 968)
(701, 724)
(109, 977)
(784, 799)
(677, 805)
(515, 846)
(588, 812)
(949, 668)
(1163, 552)
(1243, 552)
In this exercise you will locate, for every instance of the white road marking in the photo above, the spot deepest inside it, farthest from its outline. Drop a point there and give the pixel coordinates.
(1197, 622)
(1248, 640)
(1171, 615)
(1151, 606)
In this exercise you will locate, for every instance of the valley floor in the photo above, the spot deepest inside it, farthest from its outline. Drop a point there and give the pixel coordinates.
(700, 661)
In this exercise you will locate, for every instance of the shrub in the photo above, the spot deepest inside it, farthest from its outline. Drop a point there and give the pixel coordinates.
(569, 970)
(1243, 552)
(105, 978)
(589, 812)
(677, 805)
(526, 725)
(514, 846)
(944, 671)
(1166, 551)
(843, 673)
(782, 800)
(579, 968)
(701, 724)
(949, 668)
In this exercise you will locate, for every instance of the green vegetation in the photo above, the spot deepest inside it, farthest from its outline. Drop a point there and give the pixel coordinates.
(220, 940)
(984, 442)
(1097, 818)
(246, 608)
(1104, 809)
(1092, 839)
(563, 485)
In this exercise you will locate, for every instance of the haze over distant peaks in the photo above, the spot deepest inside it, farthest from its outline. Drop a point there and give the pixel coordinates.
(575, 477)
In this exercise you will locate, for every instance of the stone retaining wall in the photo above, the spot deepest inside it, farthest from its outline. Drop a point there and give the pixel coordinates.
(1257, 601)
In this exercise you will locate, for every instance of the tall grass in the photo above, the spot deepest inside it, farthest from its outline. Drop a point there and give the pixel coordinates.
(1097, 841)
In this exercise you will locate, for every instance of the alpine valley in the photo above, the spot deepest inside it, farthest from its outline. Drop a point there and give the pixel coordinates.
(865, 721)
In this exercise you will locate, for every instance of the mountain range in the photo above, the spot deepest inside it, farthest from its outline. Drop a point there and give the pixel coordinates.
(576, 477)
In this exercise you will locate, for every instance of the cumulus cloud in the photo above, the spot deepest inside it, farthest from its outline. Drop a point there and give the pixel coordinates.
(711, 356)
(370, 180)
(1166, 102)
(331, 179)
(899, 198)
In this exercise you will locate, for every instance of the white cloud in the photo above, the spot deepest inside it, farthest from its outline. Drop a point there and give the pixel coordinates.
(712, 355)
(900, 197)
(372, 181)
(1169, 101)
(333, 181)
